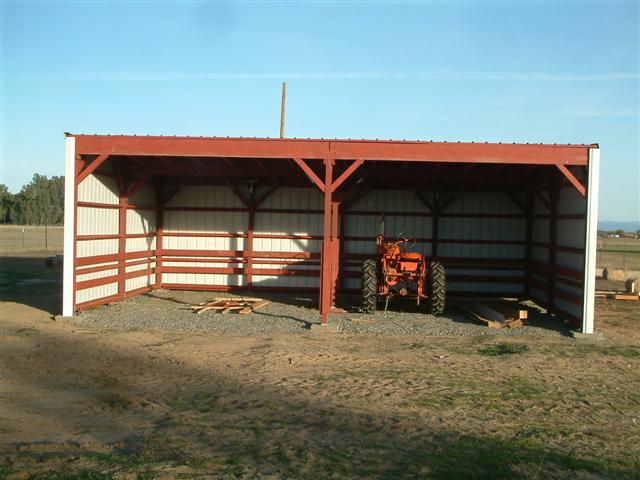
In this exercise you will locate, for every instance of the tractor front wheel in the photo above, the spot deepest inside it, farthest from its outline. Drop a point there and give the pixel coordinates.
(436, 288)
(369, 286)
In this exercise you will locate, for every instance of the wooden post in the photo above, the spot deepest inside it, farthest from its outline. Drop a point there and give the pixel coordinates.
(283, 109)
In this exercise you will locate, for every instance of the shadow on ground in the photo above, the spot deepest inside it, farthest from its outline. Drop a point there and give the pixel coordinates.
(28, 280)
(211, 421)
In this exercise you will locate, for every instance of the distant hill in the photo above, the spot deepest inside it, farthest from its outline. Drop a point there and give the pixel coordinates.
(609, 225)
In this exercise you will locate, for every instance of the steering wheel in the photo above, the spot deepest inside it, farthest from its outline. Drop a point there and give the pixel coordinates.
(409, 240)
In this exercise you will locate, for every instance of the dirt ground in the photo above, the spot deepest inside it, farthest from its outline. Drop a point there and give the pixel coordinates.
(90, 403)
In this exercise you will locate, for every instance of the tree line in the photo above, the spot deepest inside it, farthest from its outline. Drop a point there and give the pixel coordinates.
(40, 202)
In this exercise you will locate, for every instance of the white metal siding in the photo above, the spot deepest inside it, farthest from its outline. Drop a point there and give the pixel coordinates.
(96, 220)
(459, 227)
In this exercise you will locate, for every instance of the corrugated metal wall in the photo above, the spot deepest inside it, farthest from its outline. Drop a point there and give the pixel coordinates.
(290, 222)
(287, 232)
(203, 212)
(95, 220)
(467, 231)
(97, 244)
(481, 239)
(559, 284)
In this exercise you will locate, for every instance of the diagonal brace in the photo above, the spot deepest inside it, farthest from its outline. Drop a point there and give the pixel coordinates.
(89, 169)
(352, 168)
(310, 173)
(572, 179)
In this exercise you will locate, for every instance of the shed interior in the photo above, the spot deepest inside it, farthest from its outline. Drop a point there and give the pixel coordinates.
(256, 214)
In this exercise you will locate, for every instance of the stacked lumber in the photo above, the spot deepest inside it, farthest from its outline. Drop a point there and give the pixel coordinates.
(243, 306)
(631, 292)
(496, 314)
(617, 295)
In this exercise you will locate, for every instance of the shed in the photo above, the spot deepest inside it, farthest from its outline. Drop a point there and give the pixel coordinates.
(226, 214)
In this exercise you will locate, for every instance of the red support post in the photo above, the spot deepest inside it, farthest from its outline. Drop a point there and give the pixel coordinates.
(325, 270)
(553, 237)
(159, 233)
(249, 247)
(122, 244)
(335, 250)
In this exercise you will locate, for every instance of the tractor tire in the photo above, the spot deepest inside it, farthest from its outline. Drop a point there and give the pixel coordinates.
(369, 286)
(436, 287)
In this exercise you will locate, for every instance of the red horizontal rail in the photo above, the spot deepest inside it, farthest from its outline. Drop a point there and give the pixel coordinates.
(115, 206)
(114, 236)
(114, 257)
(242, 271)
(203, 234)
(578, 251)
(546, 268)
(235, 288)
(96, 282)
(206, 209)
(566, 296)
(98, 301)
(278, 148)
(239, 253)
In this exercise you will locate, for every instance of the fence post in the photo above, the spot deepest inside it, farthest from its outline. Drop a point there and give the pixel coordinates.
(46, 237)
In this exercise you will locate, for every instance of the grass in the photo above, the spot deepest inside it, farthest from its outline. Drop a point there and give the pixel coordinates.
(501, 349)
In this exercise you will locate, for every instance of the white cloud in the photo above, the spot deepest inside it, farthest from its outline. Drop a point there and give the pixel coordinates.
(597, 112)
(382, 74)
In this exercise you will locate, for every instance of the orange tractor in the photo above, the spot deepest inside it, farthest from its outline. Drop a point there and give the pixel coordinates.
(398, 273)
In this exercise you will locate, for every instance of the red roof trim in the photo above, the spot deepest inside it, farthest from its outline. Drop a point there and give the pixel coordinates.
(388, 150)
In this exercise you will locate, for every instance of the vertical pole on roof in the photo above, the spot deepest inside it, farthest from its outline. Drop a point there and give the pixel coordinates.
(283, 109)
(325, 269)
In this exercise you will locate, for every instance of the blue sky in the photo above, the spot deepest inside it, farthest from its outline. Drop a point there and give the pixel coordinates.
(512, 72)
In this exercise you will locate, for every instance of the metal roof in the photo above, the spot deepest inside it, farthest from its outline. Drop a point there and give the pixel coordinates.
(339, 149)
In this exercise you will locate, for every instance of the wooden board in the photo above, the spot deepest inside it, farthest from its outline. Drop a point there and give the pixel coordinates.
(225, 305)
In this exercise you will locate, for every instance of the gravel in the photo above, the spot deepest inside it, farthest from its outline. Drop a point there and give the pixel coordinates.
(170, 311)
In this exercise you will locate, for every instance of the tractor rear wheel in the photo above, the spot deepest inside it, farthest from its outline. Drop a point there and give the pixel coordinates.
(369, 286)
(436, 288)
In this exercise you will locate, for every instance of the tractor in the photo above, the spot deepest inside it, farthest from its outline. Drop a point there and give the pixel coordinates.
(399, 273)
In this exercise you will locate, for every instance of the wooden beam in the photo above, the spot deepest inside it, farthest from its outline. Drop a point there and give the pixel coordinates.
(572, 179)
(89, 169)
(352, 168)
(310, 173)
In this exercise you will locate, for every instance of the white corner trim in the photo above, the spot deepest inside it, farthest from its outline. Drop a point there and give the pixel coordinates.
(69, 222)
(591, 241)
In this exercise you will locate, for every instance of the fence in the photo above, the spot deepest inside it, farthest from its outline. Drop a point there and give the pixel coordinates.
(621, 253)
(24, 238)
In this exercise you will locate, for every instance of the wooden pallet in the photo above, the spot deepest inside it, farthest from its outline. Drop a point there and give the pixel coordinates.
(242, 306)
(495, 314)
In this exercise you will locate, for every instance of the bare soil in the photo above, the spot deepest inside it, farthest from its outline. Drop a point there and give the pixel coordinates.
(91, 403)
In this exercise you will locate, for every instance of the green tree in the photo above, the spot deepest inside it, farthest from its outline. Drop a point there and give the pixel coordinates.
(620, 232)
(7, 201)
(41, 201)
